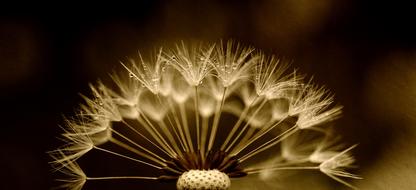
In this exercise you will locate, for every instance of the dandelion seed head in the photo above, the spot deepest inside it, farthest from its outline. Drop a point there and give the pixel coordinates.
(200, 116)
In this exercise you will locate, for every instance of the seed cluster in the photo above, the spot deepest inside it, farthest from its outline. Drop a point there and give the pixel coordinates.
(203, 180)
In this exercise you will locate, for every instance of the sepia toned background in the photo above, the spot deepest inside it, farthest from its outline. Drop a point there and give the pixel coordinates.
(363, 51)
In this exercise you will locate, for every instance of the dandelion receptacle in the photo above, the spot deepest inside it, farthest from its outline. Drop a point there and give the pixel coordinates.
(200, 116)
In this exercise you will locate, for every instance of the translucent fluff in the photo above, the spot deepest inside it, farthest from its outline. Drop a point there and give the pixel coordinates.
(201, 116)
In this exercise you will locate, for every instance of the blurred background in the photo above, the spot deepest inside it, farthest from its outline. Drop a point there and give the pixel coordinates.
(363, 51)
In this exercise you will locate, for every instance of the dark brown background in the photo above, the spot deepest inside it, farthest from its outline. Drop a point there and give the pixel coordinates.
(363, 51)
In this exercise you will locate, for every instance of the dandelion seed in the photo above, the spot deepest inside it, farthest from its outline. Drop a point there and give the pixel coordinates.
(193, 63)
(312, 106)
(335, 166)
(146, 72)
(77, 144)
(102, 106)
(269, 78)
(126, 97)
(202, 116)
(232, 63)
(75, 177)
